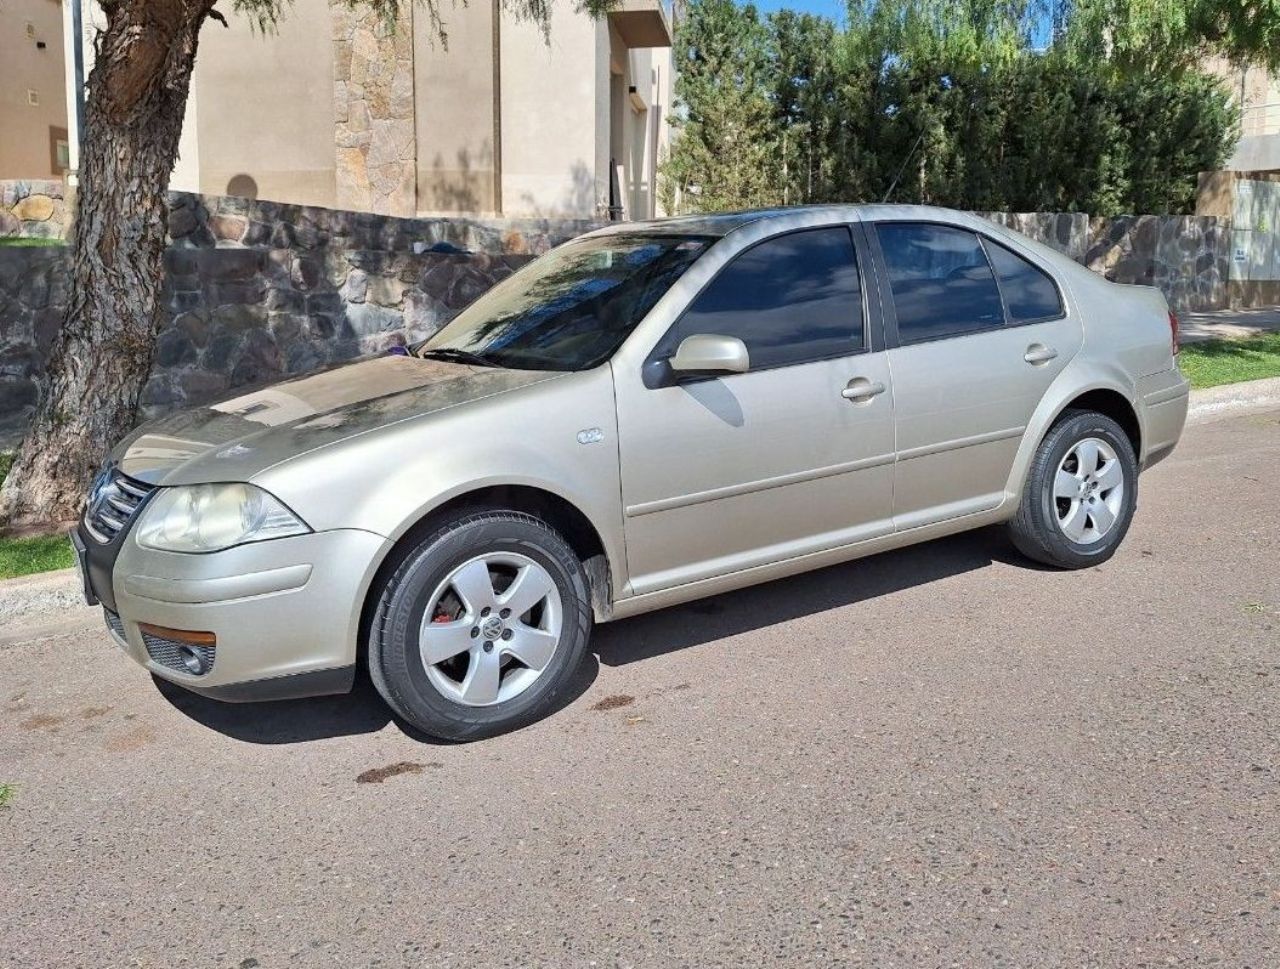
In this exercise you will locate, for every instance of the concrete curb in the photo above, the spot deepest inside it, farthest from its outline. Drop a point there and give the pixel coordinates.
(1230, 399)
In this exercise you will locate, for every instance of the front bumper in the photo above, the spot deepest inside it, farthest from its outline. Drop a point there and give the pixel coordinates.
(285, 613)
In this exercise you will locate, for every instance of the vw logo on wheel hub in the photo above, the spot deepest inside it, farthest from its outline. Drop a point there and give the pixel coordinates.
(492, 627)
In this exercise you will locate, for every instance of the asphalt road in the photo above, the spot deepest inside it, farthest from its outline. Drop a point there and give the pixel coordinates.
(936, 757)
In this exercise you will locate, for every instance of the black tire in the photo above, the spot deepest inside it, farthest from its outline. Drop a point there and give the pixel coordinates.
(397, 669)
(1035, 530)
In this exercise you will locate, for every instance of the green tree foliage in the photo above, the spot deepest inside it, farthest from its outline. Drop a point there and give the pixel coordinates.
(951, 103)
(731, 139)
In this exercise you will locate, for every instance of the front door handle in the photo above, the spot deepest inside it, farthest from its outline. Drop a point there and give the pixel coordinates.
(860, 390)
(1038, 353)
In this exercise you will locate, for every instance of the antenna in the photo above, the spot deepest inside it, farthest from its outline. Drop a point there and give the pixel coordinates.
(897, 178)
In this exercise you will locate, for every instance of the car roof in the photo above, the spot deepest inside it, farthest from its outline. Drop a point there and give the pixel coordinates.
(722, 223)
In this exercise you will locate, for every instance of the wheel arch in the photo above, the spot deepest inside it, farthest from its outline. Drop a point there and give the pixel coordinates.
(1110, 403)
(1102, 391)
(560, 513)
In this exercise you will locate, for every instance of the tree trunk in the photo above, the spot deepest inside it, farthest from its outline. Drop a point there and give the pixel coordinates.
(102, 355)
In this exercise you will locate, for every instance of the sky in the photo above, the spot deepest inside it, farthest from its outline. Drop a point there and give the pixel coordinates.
(827, 8)
(835, 9)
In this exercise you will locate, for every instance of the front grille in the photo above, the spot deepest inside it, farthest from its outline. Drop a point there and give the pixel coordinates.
(115, 624)
(178, 656)
(113, 502)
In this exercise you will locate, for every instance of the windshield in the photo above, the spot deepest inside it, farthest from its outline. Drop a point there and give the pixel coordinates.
(570, 309)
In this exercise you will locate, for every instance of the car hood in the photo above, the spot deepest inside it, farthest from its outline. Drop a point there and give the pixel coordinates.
(235, 439)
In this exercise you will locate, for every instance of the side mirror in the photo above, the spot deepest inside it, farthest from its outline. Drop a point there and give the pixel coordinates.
(708, 353)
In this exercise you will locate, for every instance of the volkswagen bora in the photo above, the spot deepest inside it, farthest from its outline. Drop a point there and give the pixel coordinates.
(646, 415)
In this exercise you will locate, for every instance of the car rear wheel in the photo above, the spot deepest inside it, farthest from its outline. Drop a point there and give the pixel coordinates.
(1080, 495)
(481, 627)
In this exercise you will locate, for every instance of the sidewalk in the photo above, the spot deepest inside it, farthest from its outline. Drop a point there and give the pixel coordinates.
(1228, 324)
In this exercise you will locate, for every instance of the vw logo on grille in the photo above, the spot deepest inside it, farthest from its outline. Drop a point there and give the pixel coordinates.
(99, 491)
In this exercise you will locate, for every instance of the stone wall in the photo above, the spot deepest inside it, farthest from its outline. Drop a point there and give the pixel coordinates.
(1185, 257)
(255, 291)
(375, 141)
(33, 209)
(33, 299)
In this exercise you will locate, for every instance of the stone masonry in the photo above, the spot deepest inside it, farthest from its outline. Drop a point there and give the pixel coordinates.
(374, 132)
(256, 290)
(33, 210)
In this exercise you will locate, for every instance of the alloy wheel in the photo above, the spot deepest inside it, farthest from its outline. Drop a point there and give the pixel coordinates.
(1088, 491)
(491, 628)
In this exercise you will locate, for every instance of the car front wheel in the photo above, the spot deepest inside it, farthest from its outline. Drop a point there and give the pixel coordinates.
(481, 627)
(1080, 495)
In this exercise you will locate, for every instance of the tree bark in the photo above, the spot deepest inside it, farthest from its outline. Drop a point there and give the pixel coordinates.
(102, 356)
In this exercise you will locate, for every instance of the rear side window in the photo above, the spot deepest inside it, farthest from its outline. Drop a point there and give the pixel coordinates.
(941, 281)
(791, 299)
(1029, 293)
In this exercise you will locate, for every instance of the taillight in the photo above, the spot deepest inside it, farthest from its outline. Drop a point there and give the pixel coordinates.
(1173, 331)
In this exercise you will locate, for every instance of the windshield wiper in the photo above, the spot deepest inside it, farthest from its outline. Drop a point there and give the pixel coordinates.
(455, 355)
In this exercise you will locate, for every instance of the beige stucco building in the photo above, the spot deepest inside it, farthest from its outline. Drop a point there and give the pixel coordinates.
(33, 113)
(496, 117)
(1258, 93)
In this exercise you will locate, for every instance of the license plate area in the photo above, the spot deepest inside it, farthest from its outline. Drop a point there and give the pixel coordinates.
(82, 566)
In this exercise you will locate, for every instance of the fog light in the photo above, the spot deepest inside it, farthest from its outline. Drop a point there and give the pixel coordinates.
(192, 660)
(185, 650)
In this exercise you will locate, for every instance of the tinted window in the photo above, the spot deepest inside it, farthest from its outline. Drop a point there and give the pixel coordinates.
(572, 308)
(791, 299)
(1029, 294)
(941, 281)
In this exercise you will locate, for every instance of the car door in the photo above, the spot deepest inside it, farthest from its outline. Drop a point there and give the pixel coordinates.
(736, 470)
(977, 333)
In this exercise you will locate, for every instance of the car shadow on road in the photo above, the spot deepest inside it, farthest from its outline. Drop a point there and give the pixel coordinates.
(626, 641)
(757, 607)
(318, 718)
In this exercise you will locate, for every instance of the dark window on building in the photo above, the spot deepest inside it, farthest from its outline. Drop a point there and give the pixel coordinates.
(941, 281)
(791, 299)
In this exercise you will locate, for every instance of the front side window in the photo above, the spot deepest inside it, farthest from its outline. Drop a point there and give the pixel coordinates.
(941, 281)
(1029, 293)
(790, 299)
(570, 309)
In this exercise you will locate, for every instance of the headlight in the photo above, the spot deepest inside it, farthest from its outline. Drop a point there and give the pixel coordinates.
(207, 518)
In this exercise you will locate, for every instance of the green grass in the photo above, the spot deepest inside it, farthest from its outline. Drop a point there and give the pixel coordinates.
(6, 794)
(27, 556)
(18, 242)
(1217, 362)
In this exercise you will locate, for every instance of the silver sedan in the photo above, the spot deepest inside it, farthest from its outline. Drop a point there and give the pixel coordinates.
(649, 414)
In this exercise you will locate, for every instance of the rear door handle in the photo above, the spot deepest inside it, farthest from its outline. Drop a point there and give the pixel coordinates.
(860, 390)
(1038, 353)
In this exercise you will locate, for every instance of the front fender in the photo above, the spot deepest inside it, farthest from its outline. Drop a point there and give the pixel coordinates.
(388, 480)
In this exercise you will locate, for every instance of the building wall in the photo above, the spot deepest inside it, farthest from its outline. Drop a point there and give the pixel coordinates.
(332, 110)
(1258, 93)
(263, 109)
(549, 116)
(639, 122)
(27, 131)
(454, 101)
